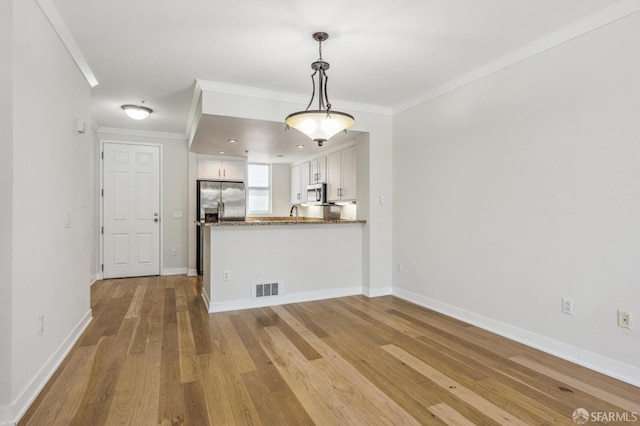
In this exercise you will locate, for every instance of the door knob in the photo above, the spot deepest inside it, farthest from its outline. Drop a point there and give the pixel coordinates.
(155, 219)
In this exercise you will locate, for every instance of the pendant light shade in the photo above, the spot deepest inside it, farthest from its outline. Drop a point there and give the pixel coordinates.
(322, 123)
(320, 126)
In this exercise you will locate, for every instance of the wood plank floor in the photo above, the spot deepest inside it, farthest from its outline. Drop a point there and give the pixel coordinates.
(153, 355)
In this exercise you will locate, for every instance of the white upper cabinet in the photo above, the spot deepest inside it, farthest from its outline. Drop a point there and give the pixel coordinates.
(222, 170)
(299, 183)
(349, 161)
(341, 175)
(318, 170)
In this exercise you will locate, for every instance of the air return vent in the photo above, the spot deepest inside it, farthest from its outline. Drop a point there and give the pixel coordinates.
(267, 290)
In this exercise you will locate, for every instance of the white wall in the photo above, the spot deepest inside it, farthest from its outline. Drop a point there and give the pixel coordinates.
(6, 197)
(524, 187)
(50, 263)
(175, 196)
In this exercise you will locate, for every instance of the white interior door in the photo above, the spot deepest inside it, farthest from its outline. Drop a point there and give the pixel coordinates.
(131, 210)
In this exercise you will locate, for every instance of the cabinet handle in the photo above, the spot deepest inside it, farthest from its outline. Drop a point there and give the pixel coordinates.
(218, 172)
(224, 172)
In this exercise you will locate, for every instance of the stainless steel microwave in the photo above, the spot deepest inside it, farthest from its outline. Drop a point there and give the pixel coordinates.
(317, 194)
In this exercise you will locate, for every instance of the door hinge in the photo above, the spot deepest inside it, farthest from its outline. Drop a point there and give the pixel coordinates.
(102, 267)
(102, 192)
(102, 229)
(102, 155)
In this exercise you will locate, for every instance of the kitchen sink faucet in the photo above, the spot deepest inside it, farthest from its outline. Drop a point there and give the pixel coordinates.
(291, 211)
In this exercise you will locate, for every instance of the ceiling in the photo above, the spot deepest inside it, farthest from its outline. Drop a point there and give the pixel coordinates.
(387, 55)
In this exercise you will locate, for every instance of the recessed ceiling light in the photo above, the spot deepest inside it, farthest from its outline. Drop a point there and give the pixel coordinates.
(137, 112)
(233, 140)
(280, 155)
(221, 152)
(299, 146)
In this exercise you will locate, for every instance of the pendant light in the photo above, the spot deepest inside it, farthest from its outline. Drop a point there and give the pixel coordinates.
(322, 123)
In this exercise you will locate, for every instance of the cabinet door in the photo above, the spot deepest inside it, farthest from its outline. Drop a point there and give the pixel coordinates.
(318, 172)
(295, 185)
(313, 171)
(334, 176)
(234, 170)
(348, 191)
(209, 169)
(304, 181)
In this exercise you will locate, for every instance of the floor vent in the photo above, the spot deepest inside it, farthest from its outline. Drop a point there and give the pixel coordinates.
(267, 290)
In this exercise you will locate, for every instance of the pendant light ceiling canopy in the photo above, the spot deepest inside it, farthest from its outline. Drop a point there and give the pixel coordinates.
(322, 123)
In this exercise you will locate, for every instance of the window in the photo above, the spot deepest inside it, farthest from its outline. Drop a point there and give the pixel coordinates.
(258, 188)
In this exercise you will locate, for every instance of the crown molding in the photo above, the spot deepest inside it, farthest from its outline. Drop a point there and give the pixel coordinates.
(254, 92)
(142, 133)
(599, 19)
(52, 13)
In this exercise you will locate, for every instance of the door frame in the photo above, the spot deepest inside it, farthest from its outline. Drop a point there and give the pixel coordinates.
(100, 274)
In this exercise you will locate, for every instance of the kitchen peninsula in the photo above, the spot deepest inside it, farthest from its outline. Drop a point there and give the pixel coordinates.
(272, 261)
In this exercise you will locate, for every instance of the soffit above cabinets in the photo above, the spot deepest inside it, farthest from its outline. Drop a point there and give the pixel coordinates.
(265, 141)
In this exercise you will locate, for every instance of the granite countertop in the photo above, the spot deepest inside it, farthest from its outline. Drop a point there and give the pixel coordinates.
(262, 221)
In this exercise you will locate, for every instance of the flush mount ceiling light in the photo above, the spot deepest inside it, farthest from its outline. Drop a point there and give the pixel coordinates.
(322, 123)
(137, 112)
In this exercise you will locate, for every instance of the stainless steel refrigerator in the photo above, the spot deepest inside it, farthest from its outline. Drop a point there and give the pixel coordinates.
(218, 201)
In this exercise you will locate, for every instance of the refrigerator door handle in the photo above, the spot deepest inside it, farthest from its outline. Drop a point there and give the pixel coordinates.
(220, 210)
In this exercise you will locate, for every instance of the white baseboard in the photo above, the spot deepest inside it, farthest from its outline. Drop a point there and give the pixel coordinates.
(174, 271)
(377, 292)
(11, 415)
(192, 273)
(308, 296)
(611, 367)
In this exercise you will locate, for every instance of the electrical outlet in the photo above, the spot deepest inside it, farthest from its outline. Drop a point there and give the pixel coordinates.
(40, 324)
(624, 319)
(226, 275)
(174, 252)
(567, 305)
(400, 267)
